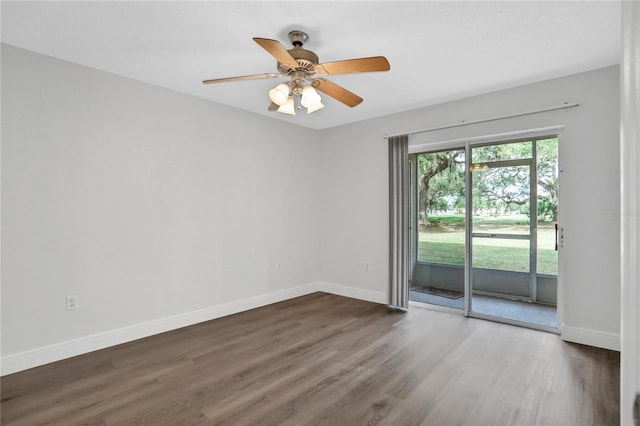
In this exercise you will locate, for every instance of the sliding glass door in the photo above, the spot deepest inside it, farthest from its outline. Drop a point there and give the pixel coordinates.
(439, 190)
(484, 225)
(504, 233)
(503, 236)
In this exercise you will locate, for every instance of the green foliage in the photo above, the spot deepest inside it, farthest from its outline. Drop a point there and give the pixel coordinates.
(502, 152)
(547, 211)
(547, 155)
(497, 190)
(500, 197)
(441, 181)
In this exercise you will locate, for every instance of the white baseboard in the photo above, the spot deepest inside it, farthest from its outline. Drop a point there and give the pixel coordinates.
(353, 292)
(584, 336)
(47, 354)
(44, 355)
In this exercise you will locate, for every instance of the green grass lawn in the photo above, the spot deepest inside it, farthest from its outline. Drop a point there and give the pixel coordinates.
(490, 257)
(443, 242)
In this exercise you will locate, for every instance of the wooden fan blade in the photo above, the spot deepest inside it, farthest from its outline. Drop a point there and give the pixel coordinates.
(277, 50)
(273, 107)
(374, 63)
(338, 93)
(243, 77)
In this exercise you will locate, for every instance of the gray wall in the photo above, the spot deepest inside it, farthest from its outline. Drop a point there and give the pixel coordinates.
(144, 202)
(353, 196)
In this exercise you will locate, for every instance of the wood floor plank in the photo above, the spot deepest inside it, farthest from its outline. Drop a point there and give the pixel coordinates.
(326, 360)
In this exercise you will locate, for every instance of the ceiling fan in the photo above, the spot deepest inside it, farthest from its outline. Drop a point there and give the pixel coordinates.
(300, 65)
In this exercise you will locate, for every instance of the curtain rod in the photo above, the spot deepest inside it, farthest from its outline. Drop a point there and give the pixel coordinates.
(484, 120)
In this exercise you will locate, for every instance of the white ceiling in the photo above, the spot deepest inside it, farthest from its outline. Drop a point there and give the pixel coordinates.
(438, 51)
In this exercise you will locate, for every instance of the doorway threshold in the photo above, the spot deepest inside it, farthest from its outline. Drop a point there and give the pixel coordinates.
(515, 312)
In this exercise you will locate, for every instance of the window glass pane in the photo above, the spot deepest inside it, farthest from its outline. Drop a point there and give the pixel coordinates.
(441, 207)
(510, 151)
(502, 254)
(547, 158)
(501, 200)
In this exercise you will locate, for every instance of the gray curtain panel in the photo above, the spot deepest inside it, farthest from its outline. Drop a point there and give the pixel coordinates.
(399, 221)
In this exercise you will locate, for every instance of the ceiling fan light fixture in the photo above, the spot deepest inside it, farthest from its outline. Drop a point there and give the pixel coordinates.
(309, 97)
(315, 107)
(280, 94)
(288, 107)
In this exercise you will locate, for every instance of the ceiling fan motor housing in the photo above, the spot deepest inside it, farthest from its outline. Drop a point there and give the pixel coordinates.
(306, 59)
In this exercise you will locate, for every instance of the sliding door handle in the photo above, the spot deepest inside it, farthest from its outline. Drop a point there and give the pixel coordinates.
(559, 237)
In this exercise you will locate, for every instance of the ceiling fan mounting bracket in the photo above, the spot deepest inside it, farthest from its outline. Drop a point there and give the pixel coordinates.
(298, 37)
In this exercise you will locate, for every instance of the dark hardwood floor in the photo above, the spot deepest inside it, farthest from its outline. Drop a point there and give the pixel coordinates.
(326, 360)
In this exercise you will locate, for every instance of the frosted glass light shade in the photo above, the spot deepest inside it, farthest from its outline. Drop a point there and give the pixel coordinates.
(279, 94)
(288, 107)
(315, 107)
(310, 97)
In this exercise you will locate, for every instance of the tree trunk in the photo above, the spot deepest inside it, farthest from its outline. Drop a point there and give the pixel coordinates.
(442, 163)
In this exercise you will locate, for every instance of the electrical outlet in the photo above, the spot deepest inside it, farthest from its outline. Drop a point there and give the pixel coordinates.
(72, 303)
(278, 268)
(366, 266)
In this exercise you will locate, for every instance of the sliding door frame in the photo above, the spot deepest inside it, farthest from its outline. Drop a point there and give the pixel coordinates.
(467, 144)
(532, 237)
